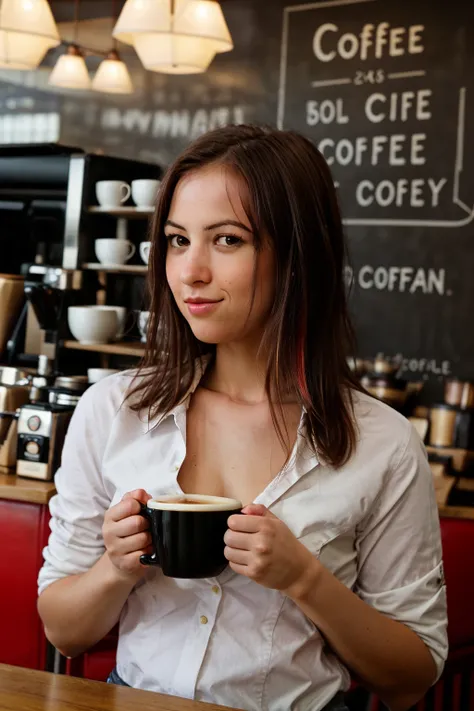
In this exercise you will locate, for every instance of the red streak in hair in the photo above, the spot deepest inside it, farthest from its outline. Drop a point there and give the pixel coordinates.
(300, 362)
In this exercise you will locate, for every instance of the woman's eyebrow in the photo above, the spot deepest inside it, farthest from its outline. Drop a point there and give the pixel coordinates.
(170, 223)
(223, 223)
(234, 223)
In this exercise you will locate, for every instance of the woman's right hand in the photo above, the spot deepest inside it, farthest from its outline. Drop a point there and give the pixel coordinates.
(126, 534)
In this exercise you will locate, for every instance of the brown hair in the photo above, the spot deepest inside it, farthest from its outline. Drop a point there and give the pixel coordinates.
(308, 336)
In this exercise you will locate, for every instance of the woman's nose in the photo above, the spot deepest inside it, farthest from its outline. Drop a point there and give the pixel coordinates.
(195, 267)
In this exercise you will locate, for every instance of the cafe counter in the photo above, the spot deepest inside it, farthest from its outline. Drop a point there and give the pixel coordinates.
(32, 491)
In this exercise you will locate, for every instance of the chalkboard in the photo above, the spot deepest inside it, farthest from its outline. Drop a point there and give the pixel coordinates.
(386, 90)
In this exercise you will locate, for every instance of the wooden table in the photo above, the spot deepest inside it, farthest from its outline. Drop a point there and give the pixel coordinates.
(28, 690)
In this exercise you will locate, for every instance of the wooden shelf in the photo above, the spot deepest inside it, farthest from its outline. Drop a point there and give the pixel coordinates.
(130, 212)
(122, 348)
(116, 268)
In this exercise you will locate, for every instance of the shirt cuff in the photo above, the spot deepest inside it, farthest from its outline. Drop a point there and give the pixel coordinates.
(420, 605)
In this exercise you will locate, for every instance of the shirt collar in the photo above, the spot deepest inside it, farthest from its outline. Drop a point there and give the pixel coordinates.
(200, 367)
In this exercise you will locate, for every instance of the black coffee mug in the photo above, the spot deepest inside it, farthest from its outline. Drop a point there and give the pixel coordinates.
(187, 534)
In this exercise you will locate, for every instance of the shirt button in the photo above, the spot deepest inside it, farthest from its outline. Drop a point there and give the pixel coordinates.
(215, 589)
(203, 620)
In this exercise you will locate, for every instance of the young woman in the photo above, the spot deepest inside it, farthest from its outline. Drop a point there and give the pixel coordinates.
(335, 562)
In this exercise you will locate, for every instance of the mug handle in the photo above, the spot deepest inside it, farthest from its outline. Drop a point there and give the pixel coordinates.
(146, 558)
(126, 194)
(132, 250)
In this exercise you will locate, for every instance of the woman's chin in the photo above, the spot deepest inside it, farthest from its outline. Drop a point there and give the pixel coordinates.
(212, 336)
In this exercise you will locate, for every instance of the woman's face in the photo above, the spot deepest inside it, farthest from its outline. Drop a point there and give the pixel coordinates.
(212, 262)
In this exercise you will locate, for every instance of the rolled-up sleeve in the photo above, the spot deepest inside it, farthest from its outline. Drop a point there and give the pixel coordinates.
(400, 555)
(77, 510)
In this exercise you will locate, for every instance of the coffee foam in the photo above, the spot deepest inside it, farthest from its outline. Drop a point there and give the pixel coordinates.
(194, 502)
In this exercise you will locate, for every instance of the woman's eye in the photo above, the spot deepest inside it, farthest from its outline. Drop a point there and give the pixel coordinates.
(228, 240)
(177, 240)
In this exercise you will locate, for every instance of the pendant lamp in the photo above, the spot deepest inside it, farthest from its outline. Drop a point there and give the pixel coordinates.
(70, 71)
(27, 32)
(174, 36)
(112, 76)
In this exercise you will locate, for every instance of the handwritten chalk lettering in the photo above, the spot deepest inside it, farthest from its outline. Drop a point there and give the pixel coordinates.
(421, 365)
(372, 41)
(325, 112)
(370, 77)
(402, 279)
(376, 148)
(416, 193)
(171, 124)
(399, 106)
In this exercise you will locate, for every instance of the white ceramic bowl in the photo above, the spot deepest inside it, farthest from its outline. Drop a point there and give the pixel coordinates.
(96, 374)
(92, 324)
(121, 312)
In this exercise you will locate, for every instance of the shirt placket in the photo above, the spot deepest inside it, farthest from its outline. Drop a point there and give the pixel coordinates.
(203, 622)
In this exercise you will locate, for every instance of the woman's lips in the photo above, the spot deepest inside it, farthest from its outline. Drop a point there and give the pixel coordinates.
(202, 308)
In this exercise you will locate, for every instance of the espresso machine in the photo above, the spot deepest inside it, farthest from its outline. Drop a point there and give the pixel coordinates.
(47, 234)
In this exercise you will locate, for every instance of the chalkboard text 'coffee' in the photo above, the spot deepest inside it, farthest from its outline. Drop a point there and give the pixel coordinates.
(372, 40)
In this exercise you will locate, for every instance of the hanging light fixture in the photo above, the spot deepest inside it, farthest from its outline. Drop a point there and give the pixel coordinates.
(174, 36)
(27, 31)
(112, 76)
(203, 19)
(70, 71)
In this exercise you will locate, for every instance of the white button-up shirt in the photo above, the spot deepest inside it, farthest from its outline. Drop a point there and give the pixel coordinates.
(373, 523)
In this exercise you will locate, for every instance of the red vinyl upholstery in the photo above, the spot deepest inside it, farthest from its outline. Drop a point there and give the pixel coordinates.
(458, 554)
(23, 534)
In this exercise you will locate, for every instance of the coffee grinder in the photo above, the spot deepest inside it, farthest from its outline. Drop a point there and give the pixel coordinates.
(43, 423)
(41, 432)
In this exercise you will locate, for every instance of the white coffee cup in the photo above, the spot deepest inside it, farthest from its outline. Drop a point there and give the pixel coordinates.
(114, 251)
(145, 251)
(96, 374)
(143, 317)
(145, 192)
(112, 193)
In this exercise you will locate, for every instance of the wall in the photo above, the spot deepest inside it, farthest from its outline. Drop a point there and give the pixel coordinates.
(390, 108)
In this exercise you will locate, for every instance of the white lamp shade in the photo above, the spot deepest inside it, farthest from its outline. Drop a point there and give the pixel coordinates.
(203, 18)
(112, 77)
(140, 16)
(70, 72)
(27, 31)
(20, 51)
(174, 54)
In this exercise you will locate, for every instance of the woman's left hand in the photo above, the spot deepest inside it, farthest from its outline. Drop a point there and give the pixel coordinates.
(261, 547)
